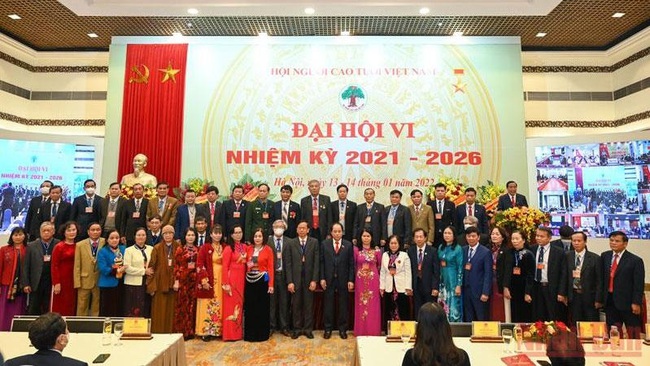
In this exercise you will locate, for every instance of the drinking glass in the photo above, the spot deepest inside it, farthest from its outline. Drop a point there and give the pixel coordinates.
(406, 337)
(118, 329)
(507, 339)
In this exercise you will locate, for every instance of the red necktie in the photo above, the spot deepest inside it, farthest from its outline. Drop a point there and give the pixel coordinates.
(336, 246)
(612, 272)
(514, 203)
(314, 209)
(212, 213)
(470, 211)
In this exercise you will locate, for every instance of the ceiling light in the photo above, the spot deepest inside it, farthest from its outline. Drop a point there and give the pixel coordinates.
(540, 35)
(92, 35)
(345, 33)
(262, 34)
(192, 11)
(618, 15)
(189, 25)
(440, 24)
(310, 11)
(14, 16)
(458, 34)
(424, 11)
(177, 34)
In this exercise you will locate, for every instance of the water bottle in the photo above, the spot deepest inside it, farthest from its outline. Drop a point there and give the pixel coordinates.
(615, 340)
(108, 332)
(519, 336)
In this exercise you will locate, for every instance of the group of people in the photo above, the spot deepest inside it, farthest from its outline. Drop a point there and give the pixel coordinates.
(242, 270)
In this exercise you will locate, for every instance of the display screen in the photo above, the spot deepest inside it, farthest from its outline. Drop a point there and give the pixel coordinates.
(596, 188)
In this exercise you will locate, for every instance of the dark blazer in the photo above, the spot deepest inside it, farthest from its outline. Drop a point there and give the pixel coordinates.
(556, 269)
(32, 223)
(401, 224)
(83, 218)
(342, 263)
(62, 215)
(628, 279)
(560, 245)
(479, 213)
(183, 219)
(292, 255)
(527, 265)
(205, 207)
(500, 266)
(505, 203)
(44, 358)
(590, 277)
(151, 241)
(448, 217)
(293, 218)
(32, 269)
(479, 278)
(130, 223)
(324, 213)
(376, 224)
(430, 267)
(227, 216)
(118, 212)
(350, 211)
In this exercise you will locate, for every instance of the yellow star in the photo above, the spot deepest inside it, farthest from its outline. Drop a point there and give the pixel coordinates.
(170, 73)
(459, 87)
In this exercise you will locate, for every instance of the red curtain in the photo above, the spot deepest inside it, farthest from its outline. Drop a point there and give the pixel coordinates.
(152, 114)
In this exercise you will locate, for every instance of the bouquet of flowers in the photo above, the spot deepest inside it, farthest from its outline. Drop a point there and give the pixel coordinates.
(250, 187)
(488, 195)
(522, 218)
(455, 190)
(198, 185)
(542, 331)
(127, 191)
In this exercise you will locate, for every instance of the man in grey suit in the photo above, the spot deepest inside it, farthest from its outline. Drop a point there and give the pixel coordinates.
(583, 282)
(36, 279)
(369, 216)
(337, 278)
(280, 297)
(397, 220)
(302, 260)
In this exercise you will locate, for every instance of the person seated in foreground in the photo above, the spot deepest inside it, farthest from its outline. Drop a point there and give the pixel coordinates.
(434, 344)
(49, 335)
(564, 349)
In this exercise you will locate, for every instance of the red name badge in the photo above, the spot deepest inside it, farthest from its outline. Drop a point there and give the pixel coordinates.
(136, 215)
(191, 265)
(468, 266)
(169, 262)
(89, 210)
(443, 263)
(576, 273)
(392, 271)
(438, 216)
(368, 218)
(516, 271)
(46, 258)
(265, 215)
(279, 255)
(540, 265)
(236, 214)
(111, 214)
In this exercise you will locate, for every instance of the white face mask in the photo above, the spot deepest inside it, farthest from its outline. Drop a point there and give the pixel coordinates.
(45, 190)
(90, 191)
(278, 231)
(468, 225)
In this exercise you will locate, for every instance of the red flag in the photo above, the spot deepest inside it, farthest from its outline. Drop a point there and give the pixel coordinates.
(152, 110)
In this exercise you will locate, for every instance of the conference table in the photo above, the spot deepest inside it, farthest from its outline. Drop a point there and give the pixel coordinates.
(162, 350)
(372, 351)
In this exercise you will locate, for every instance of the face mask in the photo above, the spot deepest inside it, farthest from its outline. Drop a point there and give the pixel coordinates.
(278, 231)
(468, 225)
(45, 190)
(90, 190)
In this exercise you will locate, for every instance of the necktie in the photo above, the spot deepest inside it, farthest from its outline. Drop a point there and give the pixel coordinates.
(540, 259)
(577, 261)
(137, 205)
(212, 212)
(470, 255)
(470, 211)
(314, 208)
(200, 240)
(236, 206)
(420, 256)
(439, 207)
(54, 209)
(154, 239)
(161, 205)
(278, 249)
(337, 246)
(566, 248)
(612, 273)
(285, 213)
(514, 203)
(342, 215)
(576, 281)
(89, 202)
(94, 248)
(417, 211)
(113, 202)
(302, 246)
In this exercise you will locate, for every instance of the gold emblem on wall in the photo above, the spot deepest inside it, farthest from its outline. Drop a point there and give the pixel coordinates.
(140, 77)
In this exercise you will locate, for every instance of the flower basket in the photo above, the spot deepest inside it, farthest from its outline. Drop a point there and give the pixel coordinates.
(522, 218)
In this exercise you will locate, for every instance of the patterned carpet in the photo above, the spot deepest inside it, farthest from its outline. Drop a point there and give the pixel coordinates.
(279, 350)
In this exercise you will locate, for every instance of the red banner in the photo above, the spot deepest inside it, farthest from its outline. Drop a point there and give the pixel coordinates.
(152, 111)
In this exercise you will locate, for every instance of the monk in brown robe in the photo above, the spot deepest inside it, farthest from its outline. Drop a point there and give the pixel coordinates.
(161, 285)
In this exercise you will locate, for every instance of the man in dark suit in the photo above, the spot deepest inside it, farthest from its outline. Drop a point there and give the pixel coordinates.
(370, 216)
(154, 234)
(549, 297)
(233, 211)
(49, 335)
(186, 214)
(343, 211)
(260, 213)
(583, 282)
(55, 210)
(336, 279)
(623, 282)
(288, 211)
(134, 215)
(397, 220)
(302, 261)
(565, 240)
(212, 207)
(471, 208)
(444, 212)
(425, 270)
(477, 277)
(512, 198)
(31, 220)
(317, 211)
(86, 209)
(280, 296)
(36, 278)
(112, 210)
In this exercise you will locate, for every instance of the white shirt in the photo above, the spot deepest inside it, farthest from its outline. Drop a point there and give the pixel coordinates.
(547, 249)
(580, 255)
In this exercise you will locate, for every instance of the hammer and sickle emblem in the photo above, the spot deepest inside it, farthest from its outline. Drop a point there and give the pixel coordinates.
(140, 78)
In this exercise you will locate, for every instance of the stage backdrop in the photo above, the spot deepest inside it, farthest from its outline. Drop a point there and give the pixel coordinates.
(365, 111)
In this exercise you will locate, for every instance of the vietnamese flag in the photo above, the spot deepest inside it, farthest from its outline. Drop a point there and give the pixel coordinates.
(152, 109)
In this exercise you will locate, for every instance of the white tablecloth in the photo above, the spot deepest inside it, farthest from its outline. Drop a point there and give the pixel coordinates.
(162, 350)
(376, 351)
